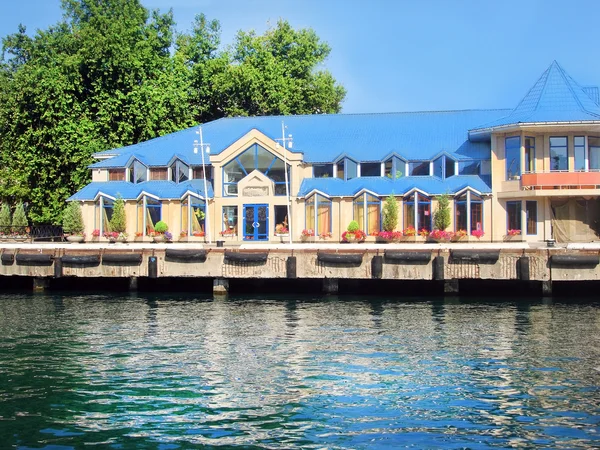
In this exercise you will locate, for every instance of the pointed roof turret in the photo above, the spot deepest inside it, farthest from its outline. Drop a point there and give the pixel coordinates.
(555, 97)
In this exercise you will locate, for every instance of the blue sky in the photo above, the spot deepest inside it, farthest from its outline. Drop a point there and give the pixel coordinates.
(395, 55)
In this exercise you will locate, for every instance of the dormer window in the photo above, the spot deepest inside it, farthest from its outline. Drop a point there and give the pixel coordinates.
(322, 170)
(138, 173)
(394, 168)
(418, 169)
(180, 172)
(346, 169)
(443, 167)
(370, 169)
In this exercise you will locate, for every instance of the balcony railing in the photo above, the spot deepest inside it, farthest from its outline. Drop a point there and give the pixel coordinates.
(560, 180)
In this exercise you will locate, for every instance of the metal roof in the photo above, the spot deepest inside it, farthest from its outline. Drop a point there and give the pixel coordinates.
(555, 97)
(383, 186)
(131, 191)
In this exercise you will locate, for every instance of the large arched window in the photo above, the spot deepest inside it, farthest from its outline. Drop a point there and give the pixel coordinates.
(254, 158)
(367, 212)
(103, 214)
(417, 212)
(318, 214)
(469, 212)
(149, 212)
(193, 213)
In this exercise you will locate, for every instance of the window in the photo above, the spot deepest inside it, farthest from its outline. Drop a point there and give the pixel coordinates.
(116, 174)
(254, 158)
(370, 169)
(158, 174)
(513, 213)
(322, 170)
(594, 156)
(512, 146)
(472, 167)
(579, 149)
(104, 212)
(468, 205)
(422, 210)
(139, 172)
(443, 167)
(530, 154)
(318, 214)
(281, 217)
(148, 213)
(193, 213)
(347, 169)
(371, 221)
(230, 219)
(198, 173)
(531, 216)
(394, 168)
(180, 172)
(418, 169)
(558, 153)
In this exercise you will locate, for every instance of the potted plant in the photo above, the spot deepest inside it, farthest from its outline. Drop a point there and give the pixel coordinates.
(460, 235)
(229, 232)
(95, 234)
(5, 221)
(158, 235)
(281, 230)
(73, 222)
(440, 235)
(325, 236)
(389, 236)
(477, 233)
(118, 221)
(307, 234)
(139, 236)
(513, 235)
(353, 233)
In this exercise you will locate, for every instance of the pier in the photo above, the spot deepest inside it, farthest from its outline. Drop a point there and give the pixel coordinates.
(448, 264)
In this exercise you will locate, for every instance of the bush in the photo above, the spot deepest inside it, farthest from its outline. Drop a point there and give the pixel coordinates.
(19, 219)
(72, 219)
(118, 221)
(353, 226)
(390, 213)
(5, 218)
(160, 227)
(441, 218)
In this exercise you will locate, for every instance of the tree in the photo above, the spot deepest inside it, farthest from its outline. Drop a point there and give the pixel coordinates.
(72, 219)
(19, 219)
(390, 213)
(5, 218)
(441, 218)
(118, 221)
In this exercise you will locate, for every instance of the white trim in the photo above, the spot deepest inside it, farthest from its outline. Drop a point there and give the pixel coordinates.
(102, 194)
(147, 194)
(193, 194)
(316, 191)
(367, 191)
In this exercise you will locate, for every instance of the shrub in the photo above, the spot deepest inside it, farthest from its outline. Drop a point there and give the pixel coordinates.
(5, 218)
(160, 227)
(19, 219)
(353, 226)
(390, 213)
(72, 219)
(118, 221)
(441, 218)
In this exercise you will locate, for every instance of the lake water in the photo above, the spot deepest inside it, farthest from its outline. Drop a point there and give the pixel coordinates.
(136, 371)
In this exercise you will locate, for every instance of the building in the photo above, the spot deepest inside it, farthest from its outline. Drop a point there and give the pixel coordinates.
(535, 168)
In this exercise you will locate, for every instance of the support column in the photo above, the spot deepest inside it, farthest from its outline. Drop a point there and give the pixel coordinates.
(40, 284)
(547, 288)
(220, 286)
(133, 284)
(450, 286)
(330, 285)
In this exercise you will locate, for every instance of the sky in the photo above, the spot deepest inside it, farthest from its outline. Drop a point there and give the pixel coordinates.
(397, 55)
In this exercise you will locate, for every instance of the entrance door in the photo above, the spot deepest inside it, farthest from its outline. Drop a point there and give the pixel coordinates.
(256, 222)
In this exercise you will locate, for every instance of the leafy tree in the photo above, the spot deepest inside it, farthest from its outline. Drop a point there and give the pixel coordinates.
(118, 221)
(19, 219)
(390, 213)
(441, 217)
(5, 218)
(72, 219)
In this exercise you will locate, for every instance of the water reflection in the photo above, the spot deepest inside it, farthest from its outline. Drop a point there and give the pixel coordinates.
(297, 372)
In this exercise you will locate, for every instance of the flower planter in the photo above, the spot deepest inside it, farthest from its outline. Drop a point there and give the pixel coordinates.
(513, 238)
(75, 239)
(353, 239)
(410, 239)
(159, 238)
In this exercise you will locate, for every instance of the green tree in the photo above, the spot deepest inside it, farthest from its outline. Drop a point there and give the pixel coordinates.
(19, 219)
(72, 219)
(118, 221)
(390, 213)
(5, 218)
(441, 217)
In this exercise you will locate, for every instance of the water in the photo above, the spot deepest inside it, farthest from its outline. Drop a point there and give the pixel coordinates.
(178, 373)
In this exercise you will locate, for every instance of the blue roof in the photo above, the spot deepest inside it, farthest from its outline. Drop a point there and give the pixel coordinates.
(555, 97)
(131, 191)
(382, 186)
(324, 138)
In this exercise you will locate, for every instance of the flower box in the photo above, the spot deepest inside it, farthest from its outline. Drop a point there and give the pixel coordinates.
(409, 239)
(513, 238)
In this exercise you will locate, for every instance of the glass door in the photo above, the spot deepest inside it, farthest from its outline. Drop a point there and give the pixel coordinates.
(256, 222)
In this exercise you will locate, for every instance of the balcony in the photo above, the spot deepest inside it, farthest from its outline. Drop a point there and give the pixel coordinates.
(560, 180)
